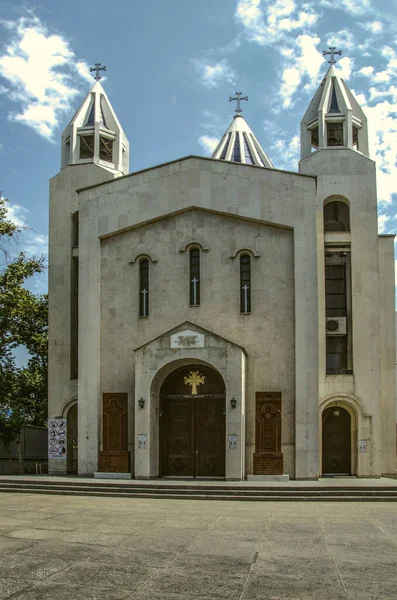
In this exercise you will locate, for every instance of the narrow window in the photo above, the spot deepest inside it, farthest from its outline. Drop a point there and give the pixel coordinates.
(144, 288)
(225, 147)
(314, 134)
(75, 229)
(105, 149)
(334, 134)
(236, 156)
(245, 283)
(247, 152)
(67, 152)
(338, 312)
(86, 146)
(194, 257)
(355, 138)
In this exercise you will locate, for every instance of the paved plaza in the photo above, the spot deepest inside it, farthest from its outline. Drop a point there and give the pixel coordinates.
(78, 548)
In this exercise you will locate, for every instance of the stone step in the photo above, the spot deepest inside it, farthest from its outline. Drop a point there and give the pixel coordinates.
(267, 498)
(185, 487)
(176, 493)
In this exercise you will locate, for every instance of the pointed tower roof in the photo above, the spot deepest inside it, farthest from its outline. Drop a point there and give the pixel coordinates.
(334, 118)
(94, 134)
(239, 144)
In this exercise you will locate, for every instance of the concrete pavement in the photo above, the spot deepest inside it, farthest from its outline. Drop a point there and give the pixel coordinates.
(115, 548)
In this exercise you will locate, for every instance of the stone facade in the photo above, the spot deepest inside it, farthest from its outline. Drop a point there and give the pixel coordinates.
(225, 210)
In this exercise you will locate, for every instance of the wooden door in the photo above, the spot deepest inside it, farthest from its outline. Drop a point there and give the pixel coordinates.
(114, 457)
(336, 441)
(210, 437)
(192, 437)
(177, 458)
(268, 458)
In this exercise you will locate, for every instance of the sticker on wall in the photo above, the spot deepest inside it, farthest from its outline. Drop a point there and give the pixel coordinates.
(233, 437)
(142, 438)
(56, 438)
(362, 445)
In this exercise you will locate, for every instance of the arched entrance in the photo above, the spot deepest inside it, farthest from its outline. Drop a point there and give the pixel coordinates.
(192, 423)
(72, 438)
(336, 441)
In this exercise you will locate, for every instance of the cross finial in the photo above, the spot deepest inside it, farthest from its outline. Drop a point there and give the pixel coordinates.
(97, 68)
(332, 52)
(238, 98)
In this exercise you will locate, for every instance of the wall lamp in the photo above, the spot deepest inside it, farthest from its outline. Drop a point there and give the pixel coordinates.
(141, 402)
(233, 402)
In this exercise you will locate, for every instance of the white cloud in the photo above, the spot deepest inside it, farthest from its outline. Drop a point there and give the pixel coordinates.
(382, 122)
(382, 220)
(354, 7)
(268, 21)
(285, 149)
(345, 67)
(213, 74)
(375, 27)
(208, 143)
(304, 66)
(30, 241)
(342, 39)
(17, 214)
(40, 69)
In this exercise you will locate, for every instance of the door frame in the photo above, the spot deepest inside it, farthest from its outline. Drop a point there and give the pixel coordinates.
(347, 431)
(347, 404)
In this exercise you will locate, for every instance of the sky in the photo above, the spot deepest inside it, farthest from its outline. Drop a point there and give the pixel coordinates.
(171, 67)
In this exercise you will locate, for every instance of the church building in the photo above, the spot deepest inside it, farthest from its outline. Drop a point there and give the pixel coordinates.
(219, 317)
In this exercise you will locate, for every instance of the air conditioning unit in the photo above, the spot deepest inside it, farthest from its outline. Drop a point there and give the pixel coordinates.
(335, 325)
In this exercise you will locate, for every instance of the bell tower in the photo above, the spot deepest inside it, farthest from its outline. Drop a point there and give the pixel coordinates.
(355, 271)
(95, 149)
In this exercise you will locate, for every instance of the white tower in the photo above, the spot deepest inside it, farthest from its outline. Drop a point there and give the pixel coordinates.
(355, 268)
(95, 149)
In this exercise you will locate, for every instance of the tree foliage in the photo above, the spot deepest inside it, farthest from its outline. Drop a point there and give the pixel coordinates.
(23, 322)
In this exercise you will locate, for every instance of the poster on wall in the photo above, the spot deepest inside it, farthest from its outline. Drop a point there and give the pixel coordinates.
(56, 438)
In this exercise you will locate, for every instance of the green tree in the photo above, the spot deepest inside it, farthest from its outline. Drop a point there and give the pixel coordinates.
(23, 322)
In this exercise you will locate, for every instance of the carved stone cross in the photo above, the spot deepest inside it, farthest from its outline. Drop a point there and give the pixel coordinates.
(97, 68)
(238, 98)
(194, 379)
(332, 52)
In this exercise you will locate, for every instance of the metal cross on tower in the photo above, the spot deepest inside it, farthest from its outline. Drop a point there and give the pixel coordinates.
(238, 98)
(97, 68)
(332, 52)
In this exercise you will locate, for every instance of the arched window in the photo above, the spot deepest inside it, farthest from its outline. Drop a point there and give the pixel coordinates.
(245, 283)
(336, 216)
(194, 277)
(144, 287)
